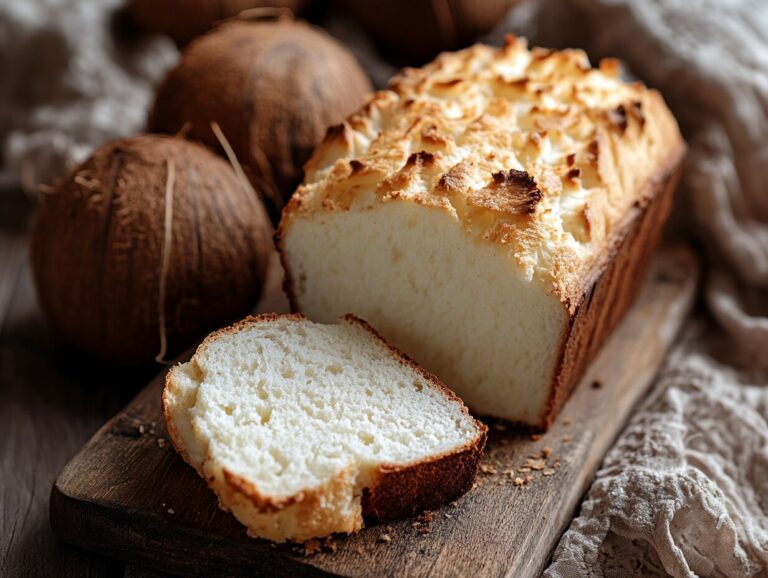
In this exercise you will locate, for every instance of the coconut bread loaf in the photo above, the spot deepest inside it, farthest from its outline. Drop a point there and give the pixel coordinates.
(301, 429)
(491, 214)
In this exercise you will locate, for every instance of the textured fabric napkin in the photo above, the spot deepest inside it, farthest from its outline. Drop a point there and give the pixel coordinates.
(684, 491)
(72, 78)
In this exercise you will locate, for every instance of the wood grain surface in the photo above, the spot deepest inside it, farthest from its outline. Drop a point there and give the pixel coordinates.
(51, 401)
(127, 494)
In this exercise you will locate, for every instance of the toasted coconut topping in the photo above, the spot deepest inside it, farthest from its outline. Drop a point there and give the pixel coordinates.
(530, 149)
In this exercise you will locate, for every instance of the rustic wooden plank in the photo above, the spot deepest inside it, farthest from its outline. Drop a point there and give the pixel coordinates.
(51, 401)
(128, 494)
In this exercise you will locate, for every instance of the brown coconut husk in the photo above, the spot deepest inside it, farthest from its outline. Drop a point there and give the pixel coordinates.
(150, 244)
(185, 20)
(412, 32)
(273, 87)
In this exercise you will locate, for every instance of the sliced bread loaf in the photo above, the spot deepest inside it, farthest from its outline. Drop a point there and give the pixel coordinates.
(302, 428)
(491, 214)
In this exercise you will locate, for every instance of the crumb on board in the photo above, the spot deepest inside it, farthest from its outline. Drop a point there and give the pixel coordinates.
(487, 469)
(385, 538)
(499, 427)
(567, 438)
(547, 452)
(535, 437)
(359, 551)
(422, 522)
(312, 546)
(161, 443)
(567, 421)
(536, 464)
(426, 517)
(171, 511)
(142, 429)
(329, 544)
(548, 472)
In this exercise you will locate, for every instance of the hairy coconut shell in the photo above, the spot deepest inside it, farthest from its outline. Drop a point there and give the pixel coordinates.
(415, 31)
(273, 87)
(184, 20)
(99, 244)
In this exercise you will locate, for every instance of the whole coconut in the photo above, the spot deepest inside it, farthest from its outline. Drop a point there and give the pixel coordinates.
(184, 20)
(415, 31)
(273, 87)
(116, 280)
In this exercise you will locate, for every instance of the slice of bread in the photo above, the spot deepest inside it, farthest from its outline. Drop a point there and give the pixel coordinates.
(301, 429)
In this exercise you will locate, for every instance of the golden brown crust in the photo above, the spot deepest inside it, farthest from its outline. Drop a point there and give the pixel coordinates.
(613, 284)
(530, 150)
(393, 491)
(400, 492)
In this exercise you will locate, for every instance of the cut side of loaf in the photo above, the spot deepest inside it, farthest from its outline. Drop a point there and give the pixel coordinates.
(491, 214)
(301, 429)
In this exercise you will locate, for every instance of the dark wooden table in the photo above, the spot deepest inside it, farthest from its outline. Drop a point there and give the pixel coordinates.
(51, 401)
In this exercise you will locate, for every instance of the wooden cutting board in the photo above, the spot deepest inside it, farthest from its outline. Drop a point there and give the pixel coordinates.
(127, 493)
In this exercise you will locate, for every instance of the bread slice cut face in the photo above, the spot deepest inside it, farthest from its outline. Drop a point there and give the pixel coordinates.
(491, 213)
(302, 428)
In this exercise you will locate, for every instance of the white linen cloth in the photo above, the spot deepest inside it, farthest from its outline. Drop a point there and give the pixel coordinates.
(70, 81)
(684, 491)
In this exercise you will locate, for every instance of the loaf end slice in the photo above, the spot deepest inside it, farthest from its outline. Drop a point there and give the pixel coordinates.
(303, 429)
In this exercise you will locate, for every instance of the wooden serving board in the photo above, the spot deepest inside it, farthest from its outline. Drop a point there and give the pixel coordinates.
(127, 494)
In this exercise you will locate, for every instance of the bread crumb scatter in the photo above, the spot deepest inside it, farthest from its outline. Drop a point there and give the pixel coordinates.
(385, 538)
(160, 443)
(536, 464)
(170, 511)
(359, 551)
(487, 469)
(518, 482)
(312, 546)
(549, 472)
(567, 438)
(547, 452)
(567, 421)
(142, 429)
(535, 437)
(330, 545)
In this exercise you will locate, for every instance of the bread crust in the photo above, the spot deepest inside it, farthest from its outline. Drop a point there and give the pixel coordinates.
(612, 284)
(392, 491)
(626, 169)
